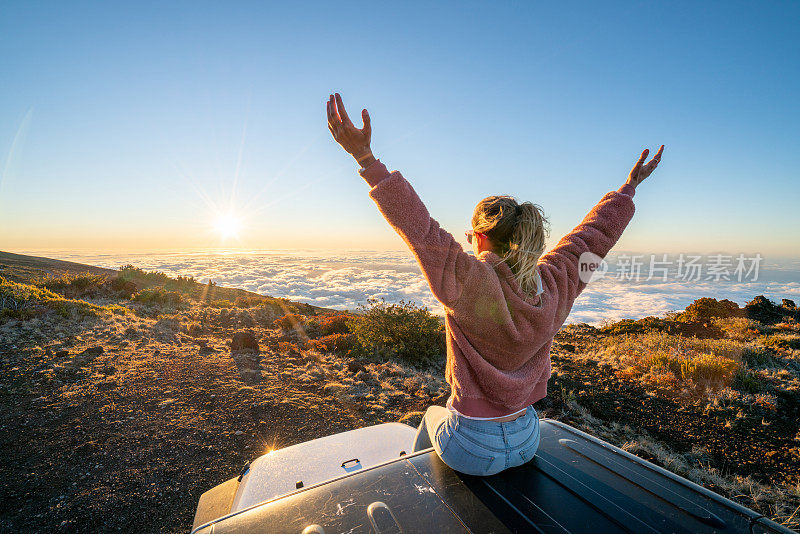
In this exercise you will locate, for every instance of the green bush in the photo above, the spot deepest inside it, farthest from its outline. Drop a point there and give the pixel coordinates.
(74, 285)
(158, 297)
(403, 331)
(180, 283)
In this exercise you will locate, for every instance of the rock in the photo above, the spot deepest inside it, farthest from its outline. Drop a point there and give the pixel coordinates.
(238, 433)
(92, 352)
(355, 366)
(244, 341)
(166, 402)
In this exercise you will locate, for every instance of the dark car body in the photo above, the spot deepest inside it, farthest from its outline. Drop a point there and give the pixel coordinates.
(575, 483)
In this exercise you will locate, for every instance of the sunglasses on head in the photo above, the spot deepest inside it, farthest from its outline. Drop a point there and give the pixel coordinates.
(470, 233)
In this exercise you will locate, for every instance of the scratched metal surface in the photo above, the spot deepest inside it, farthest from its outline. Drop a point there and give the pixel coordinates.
(320, 460)
(341, 506)
(575, 483)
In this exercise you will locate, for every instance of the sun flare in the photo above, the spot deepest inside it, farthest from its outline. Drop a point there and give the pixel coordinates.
(228, 226)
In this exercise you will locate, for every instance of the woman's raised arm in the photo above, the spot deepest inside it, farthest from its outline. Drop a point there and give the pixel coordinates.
(442, 260)
(596, 234)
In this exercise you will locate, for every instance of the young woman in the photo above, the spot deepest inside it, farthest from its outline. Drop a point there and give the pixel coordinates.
(503, 305)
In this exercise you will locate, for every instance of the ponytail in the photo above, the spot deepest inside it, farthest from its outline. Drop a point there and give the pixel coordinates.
(518, 232)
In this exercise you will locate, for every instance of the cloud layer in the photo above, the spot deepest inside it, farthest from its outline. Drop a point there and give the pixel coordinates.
(344, 280)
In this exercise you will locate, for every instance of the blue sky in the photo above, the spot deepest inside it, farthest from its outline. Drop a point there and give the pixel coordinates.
(133, 127)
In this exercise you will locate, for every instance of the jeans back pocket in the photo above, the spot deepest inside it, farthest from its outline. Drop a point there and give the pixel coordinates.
(464, 457)
(528, 449)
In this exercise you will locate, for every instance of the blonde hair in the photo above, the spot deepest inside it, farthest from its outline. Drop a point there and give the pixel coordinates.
(518, 233)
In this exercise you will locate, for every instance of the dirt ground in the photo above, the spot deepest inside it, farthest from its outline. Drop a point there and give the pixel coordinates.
(120, 422)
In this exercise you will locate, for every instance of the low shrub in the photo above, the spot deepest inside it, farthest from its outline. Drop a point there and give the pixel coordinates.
(74, 285)
(288, 348)
(738, 328)
(780, 342)
(404, 331)
(787, 325)
(765, 311)
(669, 325)
(182, 284)
(705, 309)
(622, 327)
(130, 272)
(755, 356)
(747, 382)
(124, 288)
(342, 344)
(247, 302)
(326, 325)
(116, 309)
(291, 321)
(158, 297)
(24, 301)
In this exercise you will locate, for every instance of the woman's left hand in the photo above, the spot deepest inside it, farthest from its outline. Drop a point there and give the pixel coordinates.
(354, 140)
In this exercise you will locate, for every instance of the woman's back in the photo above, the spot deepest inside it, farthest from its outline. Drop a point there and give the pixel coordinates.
(498, 338)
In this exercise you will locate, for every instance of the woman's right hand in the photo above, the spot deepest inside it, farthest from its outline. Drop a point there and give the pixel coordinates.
(641, 170)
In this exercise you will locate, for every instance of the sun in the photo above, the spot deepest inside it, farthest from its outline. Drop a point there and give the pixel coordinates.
(228, 226)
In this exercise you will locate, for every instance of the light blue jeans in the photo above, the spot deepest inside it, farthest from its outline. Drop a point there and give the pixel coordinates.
(478, 447)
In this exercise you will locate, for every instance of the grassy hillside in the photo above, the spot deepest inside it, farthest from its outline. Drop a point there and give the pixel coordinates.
(126, 394)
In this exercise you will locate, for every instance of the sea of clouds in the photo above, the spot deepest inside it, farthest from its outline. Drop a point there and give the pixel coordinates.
(346, 279)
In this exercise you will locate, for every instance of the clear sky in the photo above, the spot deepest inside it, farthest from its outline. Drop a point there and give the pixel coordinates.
(134, 127)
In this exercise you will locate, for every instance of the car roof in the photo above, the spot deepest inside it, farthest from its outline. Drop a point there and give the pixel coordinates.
(576, 483)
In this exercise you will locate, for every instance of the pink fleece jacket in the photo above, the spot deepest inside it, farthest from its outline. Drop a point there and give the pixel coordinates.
(498, 339)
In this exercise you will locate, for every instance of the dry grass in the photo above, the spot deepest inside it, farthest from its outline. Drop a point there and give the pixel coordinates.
(673, 363)
(738, 328)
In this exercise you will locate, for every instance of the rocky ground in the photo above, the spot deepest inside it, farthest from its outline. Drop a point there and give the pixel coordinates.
(119, 420)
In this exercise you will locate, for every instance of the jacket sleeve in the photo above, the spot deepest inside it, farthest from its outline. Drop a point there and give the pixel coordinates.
(597, 233)
(444, 263)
